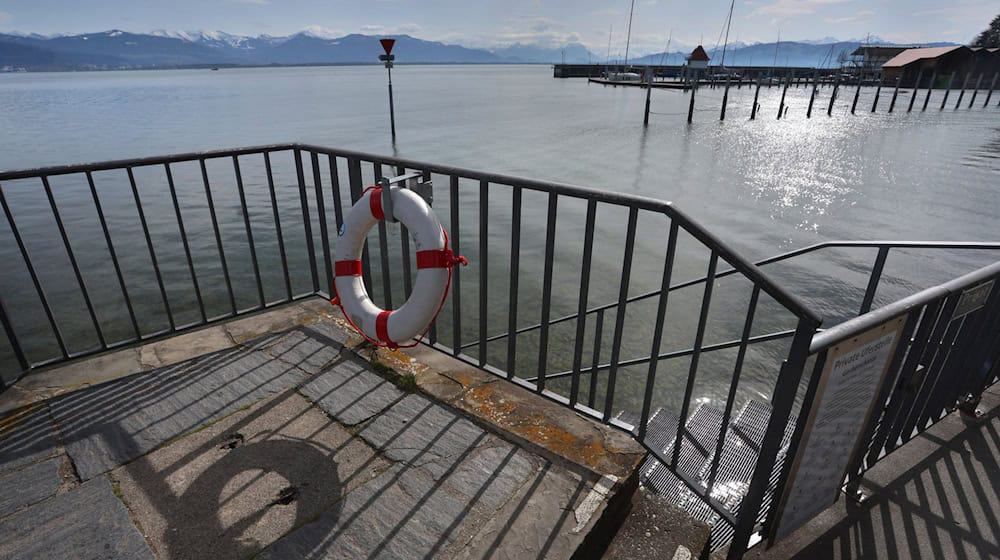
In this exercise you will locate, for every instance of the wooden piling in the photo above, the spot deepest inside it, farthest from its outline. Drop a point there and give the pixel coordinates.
(812, 94)
(878, 92)
(930, 89)
(961, 94)
(725, 99)
(975, 92)
(649, 90)
(781, 106)
(916, 88)
(833, 96)
(947, 90)
(993, 84)
(694, 87)
(895, 94)
(857, 94)
(756, 95)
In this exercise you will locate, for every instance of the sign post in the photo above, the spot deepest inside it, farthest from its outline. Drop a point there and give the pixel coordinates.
(387, 58)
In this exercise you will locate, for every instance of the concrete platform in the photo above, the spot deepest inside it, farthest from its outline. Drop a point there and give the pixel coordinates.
(240, 442)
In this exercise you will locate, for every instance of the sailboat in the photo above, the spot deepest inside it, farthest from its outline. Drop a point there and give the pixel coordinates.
(624, 75)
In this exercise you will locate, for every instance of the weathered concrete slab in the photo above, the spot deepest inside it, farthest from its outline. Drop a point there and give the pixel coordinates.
(655, 529)
(87, 522)
(423, 433)
(106, 426)
(26, 436)
(350, 392)
(307, 348)
(197, 498)
(30, 485)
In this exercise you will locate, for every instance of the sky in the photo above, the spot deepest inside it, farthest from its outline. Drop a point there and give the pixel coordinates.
(489, 23)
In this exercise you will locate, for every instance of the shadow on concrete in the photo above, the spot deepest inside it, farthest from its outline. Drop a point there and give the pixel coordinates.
(123, 421)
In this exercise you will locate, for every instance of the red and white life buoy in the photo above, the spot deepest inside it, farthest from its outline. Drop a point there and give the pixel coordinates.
(434, 262)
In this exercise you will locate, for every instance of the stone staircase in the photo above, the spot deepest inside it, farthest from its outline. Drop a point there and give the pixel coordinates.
(736, 462)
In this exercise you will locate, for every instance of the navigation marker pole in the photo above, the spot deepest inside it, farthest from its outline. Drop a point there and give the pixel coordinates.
(387, 58)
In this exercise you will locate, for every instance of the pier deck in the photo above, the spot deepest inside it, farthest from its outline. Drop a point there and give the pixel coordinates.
(287, 445)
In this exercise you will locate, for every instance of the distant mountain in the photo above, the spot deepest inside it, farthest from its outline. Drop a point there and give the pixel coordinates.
(117, 49)
(572, 53)
(789, 53)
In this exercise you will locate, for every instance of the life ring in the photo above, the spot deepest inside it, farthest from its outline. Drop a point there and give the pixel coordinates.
(435, 260)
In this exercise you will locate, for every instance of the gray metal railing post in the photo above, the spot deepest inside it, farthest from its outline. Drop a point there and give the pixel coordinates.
(581, 314)
(323, 234)
(515, 261)
(249, 231)
(661, 310)
(15, 345)
(543, 335)
(484, 228)
(595, 358)
(623, 286)
(149, 248)
(456, 287)
(785, 389)
(277, 229)
(114, 255)
(873, 280)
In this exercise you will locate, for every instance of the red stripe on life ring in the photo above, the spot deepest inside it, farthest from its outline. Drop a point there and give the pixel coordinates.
(435, 258)
(347, 268)
(382, 328)
(375, 203)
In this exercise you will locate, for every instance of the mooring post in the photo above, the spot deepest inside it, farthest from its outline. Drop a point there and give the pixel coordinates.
(694, 85)
(878, 92)
(756, 95)
(725, 99)
(895, 94)
(947, 91)
(916, 88)
(930, 89)
(993, 84)
(649, 90)
(833, 95)
(975, 92)
(857, 93)
(781, 106)
(961, 94)
(812, 94)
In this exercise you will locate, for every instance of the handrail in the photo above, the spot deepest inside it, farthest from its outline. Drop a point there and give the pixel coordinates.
(961, 245)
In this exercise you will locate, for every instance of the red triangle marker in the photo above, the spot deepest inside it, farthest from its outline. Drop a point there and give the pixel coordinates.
(387, 45)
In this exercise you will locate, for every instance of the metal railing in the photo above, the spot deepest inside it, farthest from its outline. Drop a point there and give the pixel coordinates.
(210, 249)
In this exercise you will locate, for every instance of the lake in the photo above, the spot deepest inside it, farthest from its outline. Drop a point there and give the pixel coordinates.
(765, 186)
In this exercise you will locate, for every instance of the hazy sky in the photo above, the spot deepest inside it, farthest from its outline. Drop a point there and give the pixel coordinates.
(492, 22)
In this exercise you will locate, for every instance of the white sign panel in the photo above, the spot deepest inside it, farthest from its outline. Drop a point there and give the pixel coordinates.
(851, 379)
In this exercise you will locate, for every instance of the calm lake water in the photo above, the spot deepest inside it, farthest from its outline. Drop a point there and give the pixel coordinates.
(765, 186)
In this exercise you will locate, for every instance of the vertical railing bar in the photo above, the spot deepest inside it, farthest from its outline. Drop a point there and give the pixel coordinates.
(484, 217)
(149, 247)
(456, 287)
(218, 235)
(321, 214)
(543, 336)
(873, 279)
(383, 247)
(596, 359)
(249, 230)
(733, 386)
(706, 302)
(306, 220)
(426, 176)
(581, 316)
(404, 245)
(338, 208)
(354, 176)
(73, 263)
(184, 241)
(34, 276)
(114, 255)
(609, 397)
(15, 345)
(515, 263)
(786, 387)
(661, 312)
(277, 228)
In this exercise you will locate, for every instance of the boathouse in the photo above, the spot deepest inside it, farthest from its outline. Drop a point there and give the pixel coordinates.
(698, 59)
(943, 61)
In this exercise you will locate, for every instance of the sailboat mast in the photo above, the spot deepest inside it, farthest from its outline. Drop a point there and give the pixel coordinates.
(729, 22)
(775, 63)
(628, 37)
(607, 62)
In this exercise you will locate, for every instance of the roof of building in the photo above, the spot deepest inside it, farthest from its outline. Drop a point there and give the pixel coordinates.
(698, 54)
(879, 49)
(910, 56)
